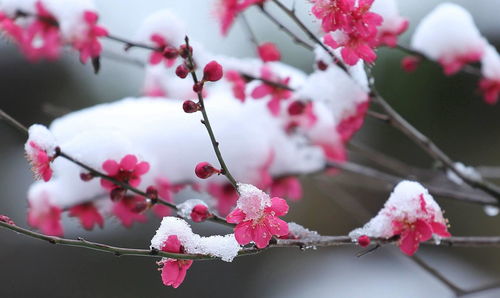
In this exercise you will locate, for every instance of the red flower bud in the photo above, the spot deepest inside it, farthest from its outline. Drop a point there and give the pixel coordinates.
(152, 193)
(86, 176)
(7, 220)
(364, 241)
(269, 52)
(204, 170)
(184, 52)
(212, 72)
(170, 53)
(322, 65)
(182, 71)
(410, 63)
(296, 108)
(199, 213)
(190, 106)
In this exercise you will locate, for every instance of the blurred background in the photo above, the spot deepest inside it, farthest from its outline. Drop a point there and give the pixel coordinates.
(448, 109)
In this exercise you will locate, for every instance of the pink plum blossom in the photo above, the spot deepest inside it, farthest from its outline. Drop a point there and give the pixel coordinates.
(334, 14)
(277, 94)
(128, 210)
(164, 52)
(256, 218)
(45, 216)
(88, 215)
(88, 45)
(228, 10)
(173, 271)
(238, 84)
(454, 63)
(490, 89)
(129, 170)
(269, 52)
(225, 194)
(40, 162)
(350, 125)
(389, 37)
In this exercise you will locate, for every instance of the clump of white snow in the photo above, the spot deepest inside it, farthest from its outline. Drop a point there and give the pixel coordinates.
(301, 232)
(448, 32)
(164, 24)
(464, 170)
(184, 209)
(490, 64)
(42, 138)
(224, 247)
(408, 202)
(252, 201)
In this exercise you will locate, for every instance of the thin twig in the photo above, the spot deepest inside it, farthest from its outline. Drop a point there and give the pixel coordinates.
(206, 121)
(436, 274)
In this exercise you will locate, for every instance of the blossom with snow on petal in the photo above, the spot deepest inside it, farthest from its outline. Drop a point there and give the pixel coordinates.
(393, 23)
(256, 216)
(195, 209)
(449, 36)
(489, 85)
(40, 151)
(411, 214)
(173, 271)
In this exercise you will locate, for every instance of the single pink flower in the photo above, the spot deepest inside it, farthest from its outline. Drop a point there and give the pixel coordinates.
(42, 37)
(129, 170)
(411, 233)
(390, 37)
(40, 162)
(128, 210)
(453, 63)
(287, 187)
(362, 21)
(165, 52)
(410, 63)
(354, 47)
(490, 90)
(350, 125)
(261, 227)
(228, 10)
(277, 94)
(88, 45)
(173, 271)
(45, 217)
(334, 14)
(225, 194)
(88, 214)
(239, 84)
(269, 52)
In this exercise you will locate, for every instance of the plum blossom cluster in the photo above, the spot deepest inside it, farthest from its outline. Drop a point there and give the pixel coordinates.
(353, 27)
(175, 235)
(410, 214)
(257, 217)
(42, 27)
(449, 36)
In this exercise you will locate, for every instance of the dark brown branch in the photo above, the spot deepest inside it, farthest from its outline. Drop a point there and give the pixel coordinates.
(436, 274)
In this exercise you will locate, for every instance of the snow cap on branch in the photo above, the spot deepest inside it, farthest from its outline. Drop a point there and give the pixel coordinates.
(411, 214)
(448, 35)
(224, 247)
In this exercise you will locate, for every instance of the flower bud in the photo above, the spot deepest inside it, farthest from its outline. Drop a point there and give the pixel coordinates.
(170, 53)
(86, 176)
(182, 71)
(269, 52)
(198, 87)
(322, 65)
(296, 108)
(364, 241)
(190, 106)
(199, 213)
(212, 72)
(184, 52)
(204, 170)
(410, 63)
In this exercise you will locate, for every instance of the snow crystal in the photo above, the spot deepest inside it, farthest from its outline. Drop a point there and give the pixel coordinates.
(491, 210)
(404, 203)
(224, 247)
(448, 30)
(252, 201)
(185, 209)
(301, 232)
(464, 170)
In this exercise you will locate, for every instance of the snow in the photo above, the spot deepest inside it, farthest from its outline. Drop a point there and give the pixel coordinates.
(42, 138)
(403, 205)
(491, 210)
(252, 201)
(185, 209)
(301, 232)
(448, 30)
(490, 63)
(69, 13)
(224, 247)
(465, 170)
(163, 23)
(388, 9)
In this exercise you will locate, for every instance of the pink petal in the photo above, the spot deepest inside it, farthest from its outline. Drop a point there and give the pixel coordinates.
(236, 216)
(407, 244)
(261, 236)
(276, 226)
(440, 229)
(279, 206)
(243, 232)
(141, 168)
(128, 162)
(423, 230)
(261, 91)
(111, 167)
